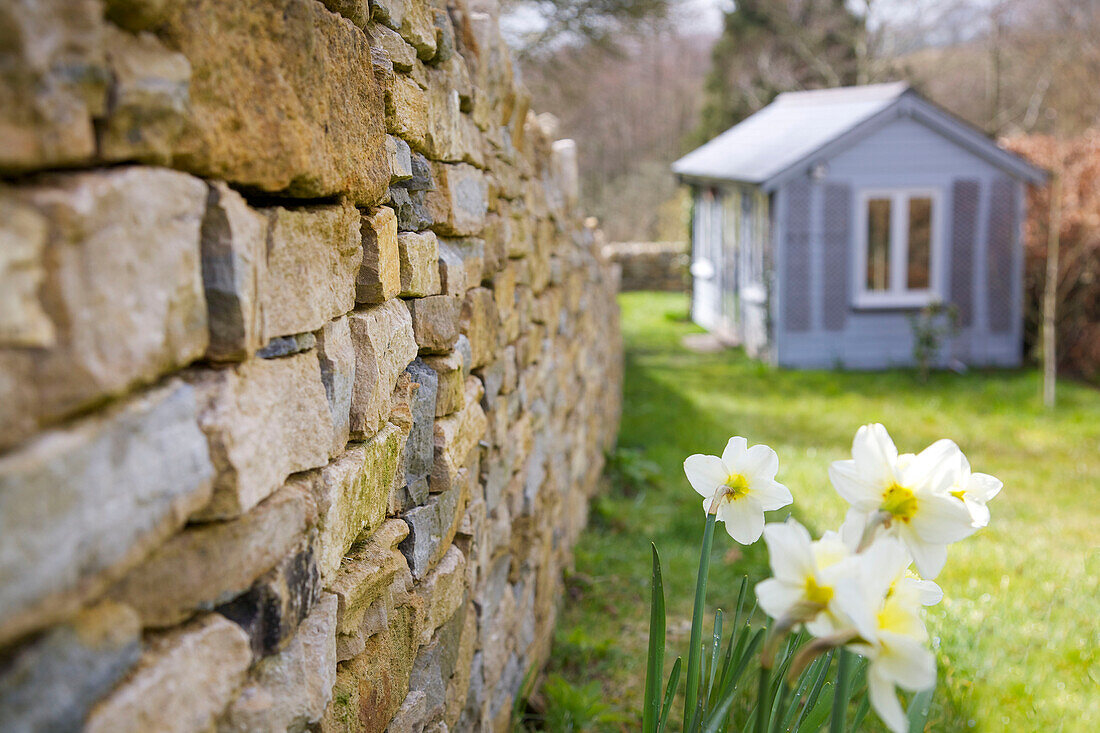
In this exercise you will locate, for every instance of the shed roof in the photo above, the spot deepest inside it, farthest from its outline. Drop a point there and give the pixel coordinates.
(766, 147)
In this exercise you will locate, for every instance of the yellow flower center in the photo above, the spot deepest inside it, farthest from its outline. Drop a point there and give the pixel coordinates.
(819, 594)
(899, 502)
(958, 493)
(736, 486)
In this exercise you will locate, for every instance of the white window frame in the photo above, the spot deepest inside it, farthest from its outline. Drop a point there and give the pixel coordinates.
(899, 296)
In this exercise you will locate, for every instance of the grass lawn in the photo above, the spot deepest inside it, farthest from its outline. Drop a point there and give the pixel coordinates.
(1018, 632)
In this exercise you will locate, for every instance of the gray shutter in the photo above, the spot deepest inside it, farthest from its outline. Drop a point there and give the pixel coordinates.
(1003, 222)
(796, 271)
(836, 265)
(965, 194)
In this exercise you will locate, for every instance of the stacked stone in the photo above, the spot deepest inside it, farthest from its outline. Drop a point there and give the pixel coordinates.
(307, 367)
(650, 265)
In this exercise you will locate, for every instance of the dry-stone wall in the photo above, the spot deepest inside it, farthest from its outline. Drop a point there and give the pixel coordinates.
(650, 265)
(306, 366)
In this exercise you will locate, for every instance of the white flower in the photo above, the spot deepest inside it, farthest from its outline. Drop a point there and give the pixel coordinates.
(973, 489)
(909, 493)
(806, 574)
(743, 483)
(885, 606)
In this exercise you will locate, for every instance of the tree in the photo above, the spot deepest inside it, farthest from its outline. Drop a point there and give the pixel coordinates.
(546, 24)
(773, 46)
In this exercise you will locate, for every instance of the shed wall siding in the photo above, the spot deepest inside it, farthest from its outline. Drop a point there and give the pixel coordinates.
(980, 243)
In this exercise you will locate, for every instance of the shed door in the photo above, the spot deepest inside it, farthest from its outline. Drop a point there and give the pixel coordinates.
(707, 262)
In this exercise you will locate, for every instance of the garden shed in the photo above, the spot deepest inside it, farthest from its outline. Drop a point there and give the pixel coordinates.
(823, 222)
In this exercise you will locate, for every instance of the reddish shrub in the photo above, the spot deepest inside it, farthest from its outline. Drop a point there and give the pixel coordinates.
(1078, 309)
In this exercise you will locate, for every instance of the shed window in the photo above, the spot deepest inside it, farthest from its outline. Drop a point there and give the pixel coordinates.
(897, 251)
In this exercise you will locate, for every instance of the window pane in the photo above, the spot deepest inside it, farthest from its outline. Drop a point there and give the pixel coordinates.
(920, 244)
(878, 244)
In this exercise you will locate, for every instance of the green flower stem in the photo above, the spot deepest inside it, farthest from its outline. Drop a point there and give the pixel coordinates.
(763, 704)
(840, 701)
(691, 697)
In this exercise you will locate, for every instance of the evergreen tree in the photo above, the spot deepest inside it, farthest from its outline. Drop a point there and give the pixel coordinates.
(773, 46)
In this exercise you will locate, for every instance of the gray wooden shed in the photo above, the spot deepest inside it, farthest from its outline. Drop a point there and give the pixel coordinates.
(824, 220)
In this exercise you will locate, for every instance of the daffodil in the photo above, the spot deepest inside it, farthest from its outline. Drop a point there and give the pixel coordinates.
(806, 573)
(973, 489)
(739, 487)
(884, 604)
(907, 496)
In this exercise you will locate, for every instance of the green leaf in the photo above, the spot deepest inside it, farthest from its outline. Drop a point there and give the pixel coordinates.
(815, 691)
(656, 657)
(691, 697)
(715, 650)
(670, 692)
(817, 716)
(919, 707)
(838, 723)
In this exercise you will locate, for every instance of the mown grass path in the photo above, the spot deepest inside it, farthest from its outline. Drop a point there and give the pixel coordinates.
(1018, 633)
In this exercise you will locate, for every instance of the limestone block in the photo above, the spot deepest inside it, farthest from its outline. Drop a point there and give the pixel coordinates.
(265, 419)
(366, 572)
(270, 611)
(412, 213)
(207, 565)
(384, 346)
(451, 382)
(120, 312)
(444, 590)
(400, 159)
(433, 526)
(371, 687)
(456, 435)
(419, 253)
(287, 345)
(184, 680)
(412, 716)
(402, 55)
(302, 112)
(336, 354)
(435, 664)
(149, 98)
(452, 136)
(460, 200)
(420, 448)
(314, 255)
(459, 266)
(435, 323)
(480, 323)
(49, 684)
(357, 11)
(407, 112)
(55, 82)
(291, 690)
(380, 274)
(81, 505)
(234, 264)
(418, 28)
(353, 493)
(459, 684)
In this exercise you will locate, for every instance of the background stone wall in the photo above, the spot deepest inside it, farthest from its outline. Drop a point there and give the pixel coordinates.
(306, 366)
(651, 265)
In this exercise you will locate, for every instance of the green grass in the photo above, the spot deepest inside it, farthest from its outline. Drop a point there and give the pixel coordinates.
(1018, 631)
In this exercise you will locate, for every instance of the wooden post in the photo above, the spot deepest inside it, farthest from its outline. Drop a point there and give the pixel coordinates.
(1050, 290)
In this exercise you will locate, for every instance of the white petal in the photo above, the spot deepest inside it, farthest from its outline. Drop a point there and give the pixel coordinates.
(789, 551)
(734, 454)
(830, 549)
(941, 519)
(705, 473)
(854, 487)
(928, 592)
(777, 597)
(906, 661)
(983, 487)
(761, 463)
(744, 519)
(936, 468)
(979, 513)
(771, 495)
(885, 701)
(929, 558)
(874, 452)
(851, 531)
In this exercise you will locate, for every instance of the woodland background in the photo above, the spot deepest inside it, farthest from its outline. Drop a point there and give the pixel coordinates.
(637, 83)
